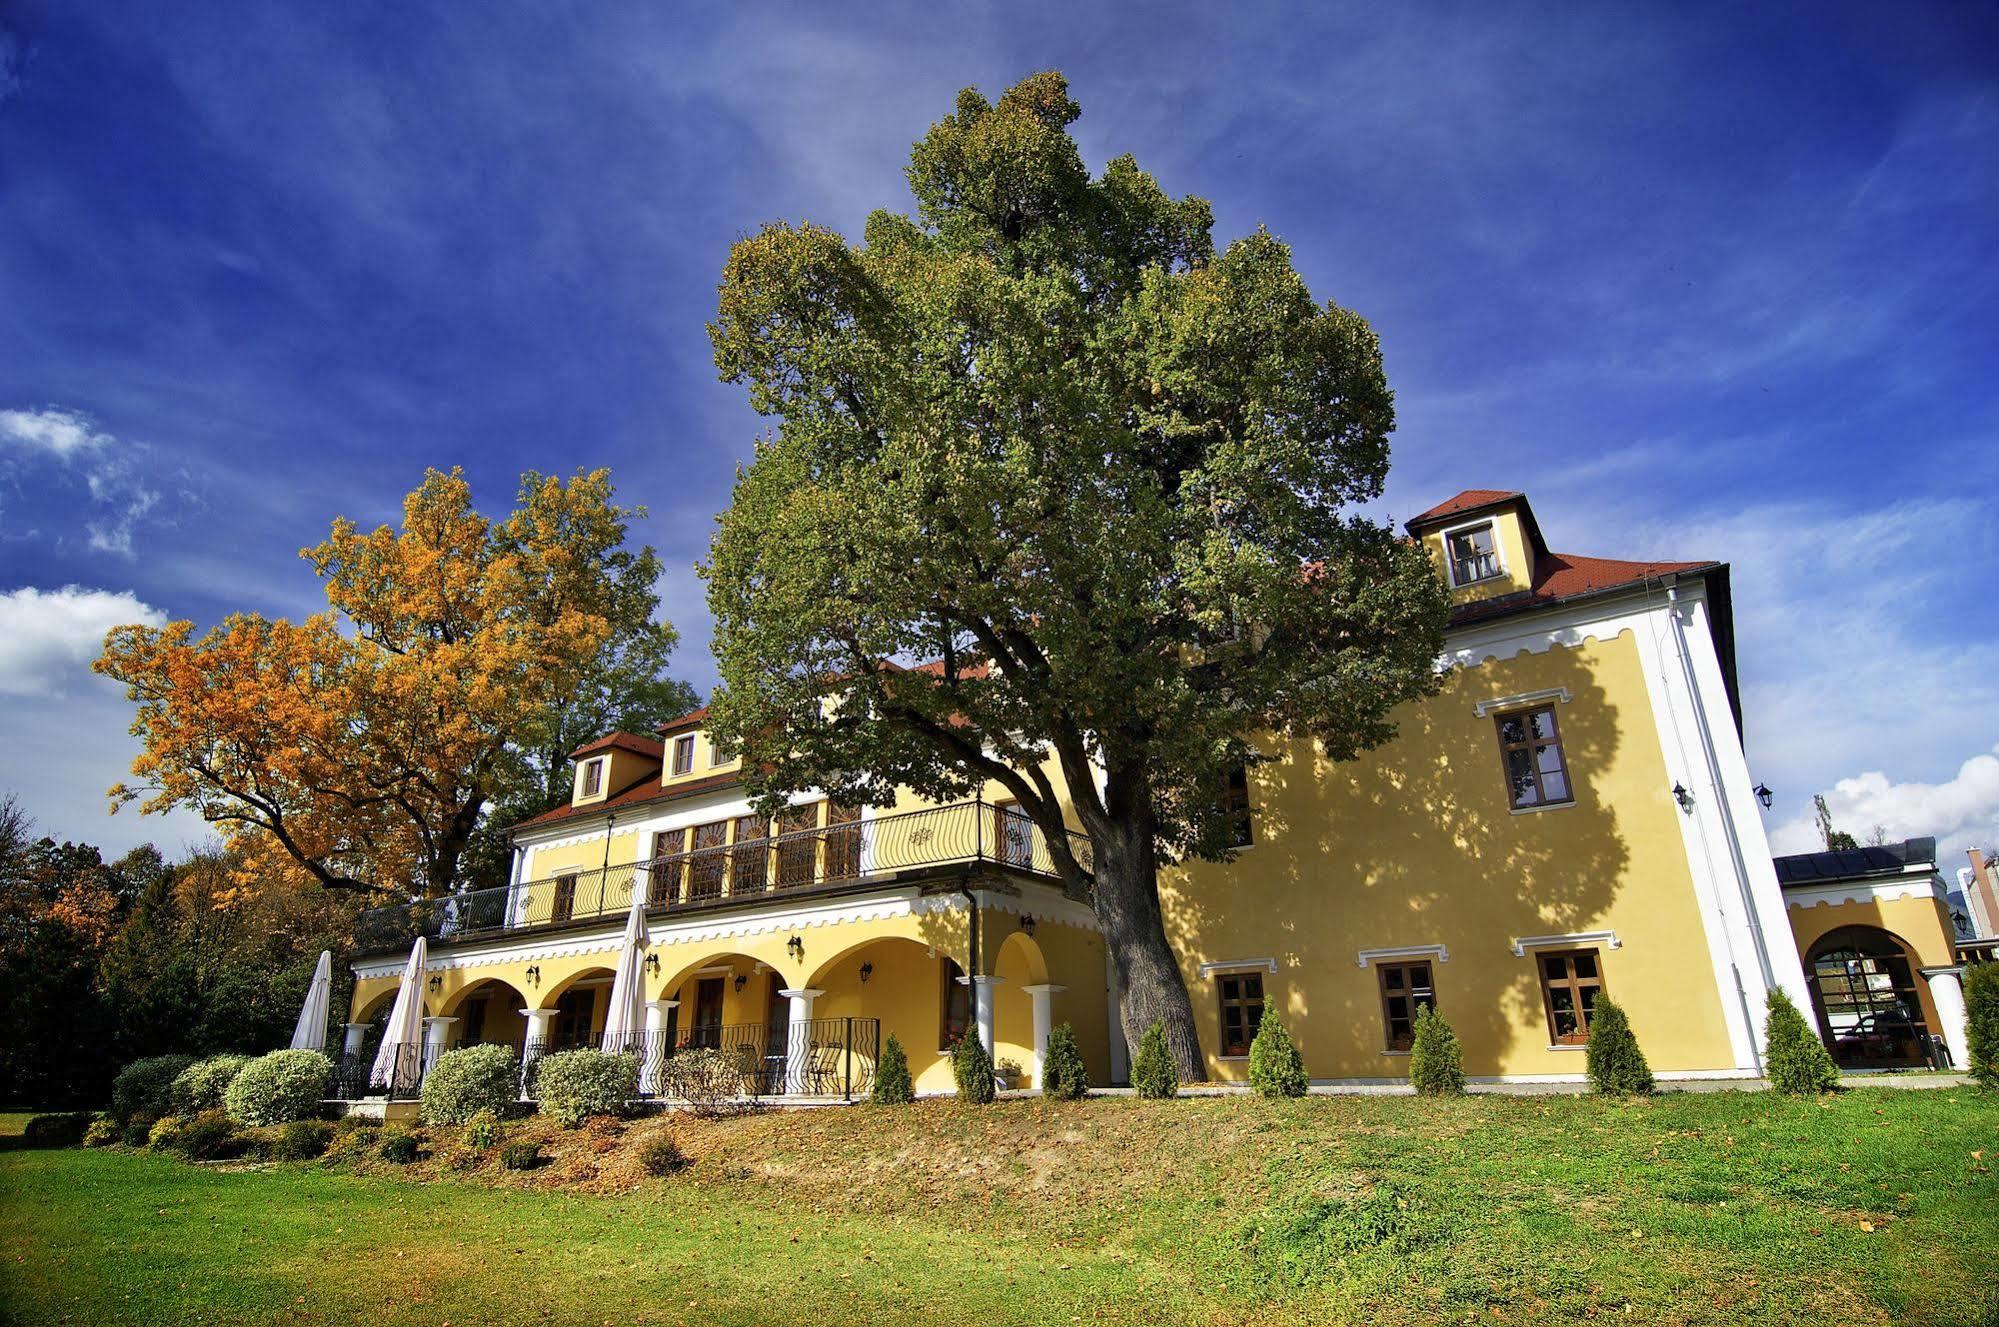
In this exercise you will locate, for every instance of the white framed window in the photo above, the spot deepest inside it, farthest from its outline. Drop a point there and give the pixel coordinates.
(1473, 553)
(593, 777)
(683, 755)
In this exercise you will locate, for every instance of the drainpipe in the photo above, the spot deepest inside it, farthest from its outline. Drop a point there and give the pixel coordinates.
(604, 870)
(1704, 731)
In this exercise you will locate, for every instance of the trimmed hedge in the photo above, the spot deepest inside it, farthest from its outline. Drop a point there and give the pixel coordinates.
(1064, 1076)
(66, 1129)
(662, 1156)
(523, 1155)
(302, 1140)
(1275, 1067)
(1981, 1008)
(892, 1083)
(972, 1067)
(145, 1088)
(574, 1085)
(279, 1088)
(209, 1136)
(399, 1146)
(1436, 1062)
(1152, 1069)
(1616, 1065)
(1794, 1059)
(200, 1086)
(468, 1080)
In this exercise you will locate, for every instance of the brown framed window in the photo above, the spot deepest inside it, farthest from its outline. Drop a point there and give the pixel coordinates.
(683, 755)
(1570, 982)
(843, 842)
(593, 778)
(955, 1006)
(1530, 747)
(749, 860)
(664, 870)
(564, 906)
(1235, 806)
(1405, 988)
(1242, 1009)
(708, 859)
(1474, 554)
(797, 845)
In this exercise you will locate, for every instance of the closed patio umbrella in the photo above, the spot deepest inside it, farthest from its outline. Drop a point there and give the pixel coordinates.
(310, 1035)
(398, 1063)
(624, 1021)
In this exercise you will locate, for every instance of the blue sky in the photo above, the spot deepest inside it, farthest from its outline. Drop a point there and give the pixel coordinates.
(1705, 281)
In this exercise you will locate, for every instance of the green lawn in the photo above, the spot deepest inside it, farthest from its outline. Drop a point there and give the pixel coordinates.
(1874, 1206)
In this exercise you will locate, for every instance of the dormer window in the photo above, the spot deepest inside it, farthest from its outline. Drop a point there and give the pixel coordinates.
(683, 755)
(593, 778)
(1474, 554)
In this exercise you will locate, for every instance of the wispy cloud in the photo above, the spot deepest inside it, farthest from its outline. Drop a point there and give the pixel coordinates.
(55, 432)
(120, 494)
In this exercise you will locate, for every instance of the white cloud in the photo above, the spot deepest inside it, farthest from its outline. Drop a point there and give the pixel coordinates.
(1960, 812)
(48, 638)
(57, 432)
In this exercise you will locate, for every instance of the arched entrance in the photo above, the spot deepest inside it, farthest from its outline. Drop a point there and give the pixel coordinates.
(1864, 987)
(488, 1012)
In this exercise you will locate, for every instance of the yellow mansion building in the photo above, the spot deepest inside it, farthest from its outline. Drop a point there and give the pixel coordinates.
(1570, 814)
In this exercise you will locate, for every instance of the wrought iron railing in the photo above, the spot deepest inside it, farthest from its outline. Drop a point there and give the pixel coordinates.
(975, 832)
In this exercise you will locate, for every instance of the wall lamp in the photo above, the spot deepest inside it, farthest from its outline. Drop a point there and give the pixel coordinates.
(1683, 797)
(533, 975)
(867, 971)
(1764, 795)
(652, 964)
(796, 947)
(742, 980)
(436, 983)
(1027, 924)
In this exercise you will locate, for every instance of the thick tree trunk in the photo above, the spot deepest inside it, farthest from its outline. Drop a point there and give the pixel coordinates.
(1127, 905)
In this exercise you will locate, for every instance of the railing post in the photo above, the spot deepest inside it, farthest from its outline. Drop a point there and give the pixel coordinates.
(847, 1042)
(979, 828)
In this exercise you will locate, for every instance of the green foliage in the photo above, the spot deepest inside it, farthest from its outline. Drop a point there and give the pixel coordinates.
(707, 1079)
(1436, 1062)
(400, 1146)
(103, 1132)
(66, 1129)
(145, 1087)
(468, 1080)
(165, 1132)
(972, 1067)
(1275, 1067)
(279, 1088)
(1296, 1248)
(1152, 1069)
(209, 1136)
(892, 1083)
(302, 1140)
(662, 1156)
(200, 1086)
(1064, 1076)
(574, 1085)
(1616, 1065)
(482, 1130)
(522, 1155)
(1981, 1006)
(1795, 1060)
(137, 1132)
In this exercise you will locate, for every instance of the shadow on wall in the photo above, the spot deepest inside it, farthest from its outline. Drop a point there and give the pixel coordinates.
(1416, 843)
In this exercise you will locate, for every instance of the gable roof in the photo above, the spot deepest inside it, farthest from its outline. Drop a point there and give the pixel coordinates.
(622, 741)
(1472, 499)
(643, 793)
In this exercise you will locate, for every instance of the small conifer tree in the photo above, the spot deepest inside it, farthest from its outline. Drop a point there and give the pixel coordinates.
(972, 1066)
(1275, 1067)
(1063, 1073)
(1436, 1063)
(1616, 1066)
(892, 1086)
(1152, 1071)
(1794, 1059)
(1981, 1008)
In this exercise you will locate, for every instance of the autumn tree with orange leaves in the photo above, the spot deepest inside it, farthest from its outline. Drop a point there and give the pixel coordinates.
(368, 742)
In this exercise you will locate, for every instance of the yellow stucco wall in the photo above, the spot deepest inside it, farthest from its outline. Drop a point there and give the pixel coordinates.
(1415, 844)
(1515, 556)
(705, 765)
(1921, 925)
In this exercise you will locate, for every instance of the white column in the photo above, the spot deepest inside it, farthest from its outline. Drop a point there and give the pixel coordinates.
(536, 1043)
(798, 1040)
(1947, 993)
(436, 1031)
(1043, 1021)
(982, 1006)
(357, 1036)
(656, 1049)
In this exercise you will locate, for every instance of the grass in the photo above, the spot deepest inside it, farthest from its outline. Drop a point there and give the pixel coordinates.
(1875, 1205)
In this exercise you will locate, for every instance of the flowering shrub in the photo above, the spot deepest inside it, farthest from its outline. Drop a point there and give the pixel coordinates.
(279, 1088)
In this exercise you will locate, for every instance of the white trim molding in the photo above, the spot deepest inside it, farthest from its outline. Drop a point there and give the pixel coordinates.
(1884, 890)
(1608, 939)
(1240, 965)
(1438, 952)
(1485, 707)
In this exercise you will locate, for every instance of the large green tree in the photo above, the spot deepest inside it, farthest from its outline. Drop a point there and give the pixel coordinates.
(1043, 434)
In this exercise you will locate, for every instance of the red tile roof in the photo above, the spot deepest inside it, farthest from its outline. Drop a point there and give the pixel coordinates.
(1559, 577)
(645, 746)
(691, 719)
(1469, 500)
(643, 793)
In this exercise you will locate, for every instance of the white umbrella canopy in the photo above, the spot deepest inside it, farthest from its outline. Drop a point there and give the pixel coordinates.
(310, 1035)
(625, 1019)
(402, 1039)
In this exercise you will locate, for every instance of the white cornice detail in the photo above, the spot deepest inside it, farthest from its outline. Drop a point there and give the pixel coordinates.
(1438, 952)
(1608, 939)
(1603, 618)
(1861, 891)
(1485, 707)
(1240, 965)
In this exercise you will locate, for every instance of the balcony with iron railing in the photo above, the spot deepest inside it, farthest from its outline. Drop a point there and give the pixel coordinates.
(777, 866)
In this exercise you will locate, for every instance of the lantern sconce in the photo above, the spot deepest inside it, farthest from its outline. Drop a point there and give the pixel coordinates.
(867, 971)
(652, 964)
(1764, 795)
(1683, 797)
(742, 980)
(436, 982)
(533, 975)
(1027, 924)
(796, 947)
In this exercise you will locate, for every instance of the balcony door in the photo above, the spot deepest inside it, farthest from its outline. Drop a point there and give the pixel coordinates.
(707, 1027)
